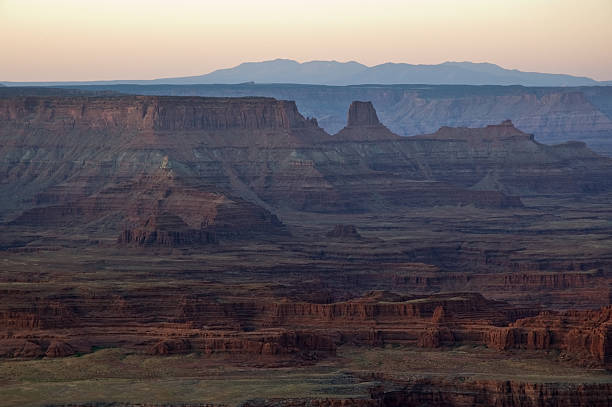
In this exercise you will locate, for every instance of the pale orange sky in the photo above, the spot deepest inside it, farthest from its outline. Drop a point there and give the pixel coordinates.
(52, 40)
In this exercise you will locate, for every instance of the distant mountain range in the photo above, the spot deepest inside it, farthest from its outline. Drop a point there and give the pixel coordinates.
(354, 73)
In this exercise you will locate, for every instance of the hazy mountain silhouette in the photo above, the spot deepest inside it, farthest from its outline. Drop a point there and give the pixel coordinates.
(354, 73)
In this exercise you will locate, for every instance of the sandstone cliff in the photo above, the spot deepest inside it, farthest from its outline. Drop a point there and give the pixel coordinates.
(228, 164)
(118, 159)
(552, 114)
(167, 322)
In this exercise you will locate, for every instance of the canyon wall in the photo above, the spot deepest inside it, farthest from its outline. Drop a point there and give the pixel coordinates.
(552, 114)
(164, 322)
(228, 163)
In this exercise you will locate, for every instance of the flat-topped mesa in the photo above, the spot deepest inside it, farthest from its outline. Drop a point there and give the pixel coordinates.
(154, 112)
(227, 113)
(363, 125)
(504, 131)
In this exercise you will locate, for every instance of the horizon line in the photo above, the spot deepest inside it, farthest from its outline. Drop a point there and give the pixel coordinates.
(302, 62)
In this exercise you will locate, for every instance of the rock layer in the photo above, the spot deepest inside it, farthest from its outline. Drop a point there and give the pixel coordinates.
(270, 327)
(552, 114)
(72, 158)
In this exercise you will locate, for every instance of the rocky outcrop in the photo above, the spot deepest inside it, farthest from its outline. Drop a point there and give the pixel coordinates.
(59, 349)
(363, 125)
(362, 114)
(534, 280)
(435, 337)
(170, 346)
(552, 114)
(164, 321)
(344, 232)
(165, 230)
(20, 348)
(76, 158)
(496, 153)
(585, 335)
(255, 326)
(153, 113)
(158, 209)
(225, 154)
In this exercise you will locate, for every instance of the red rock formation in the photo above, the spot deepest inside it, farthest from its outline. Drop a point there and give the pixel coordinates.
(153, 112)
(363, 125)
(59, 349)
(165, 230)
(362, 114)
(497, 151)
(435, 337)
(584, 334)
(170, 346)
(170, 322)
(20, 348)
(140, 150)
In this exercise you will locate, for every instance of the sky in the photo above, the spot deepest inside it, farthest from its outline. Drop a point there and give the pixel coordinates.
(55, 40)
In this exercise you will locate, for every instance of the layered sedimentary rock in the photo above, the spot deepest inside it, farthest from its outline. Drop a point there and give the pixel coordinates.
(507, 159)
(165, 230)
(574, 332)
(552, 114)
(362, 114)
(166, 323)
(344, 232)
(77, 158)
(93, 179)
(71, 157)
(363, 125)
(113, 160)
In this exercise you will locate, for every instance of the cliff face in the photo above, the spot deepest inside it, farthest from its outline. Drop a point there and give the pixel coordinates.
(575, 332)
(165, 230)
(362, 114)
(101, 172)
(552, 114)
(120, 160)
(225, 164)
(363, 125)
(162, 320)
(153, 113)
(502, 157)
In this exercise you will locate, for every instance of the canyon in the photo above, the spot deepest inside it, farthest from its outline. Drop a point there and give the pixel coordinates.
(235, 239)
(552, 114)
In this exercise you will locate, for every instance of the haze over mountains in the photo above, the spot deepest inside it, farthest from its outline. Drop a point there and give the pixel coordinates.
(354, 73)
